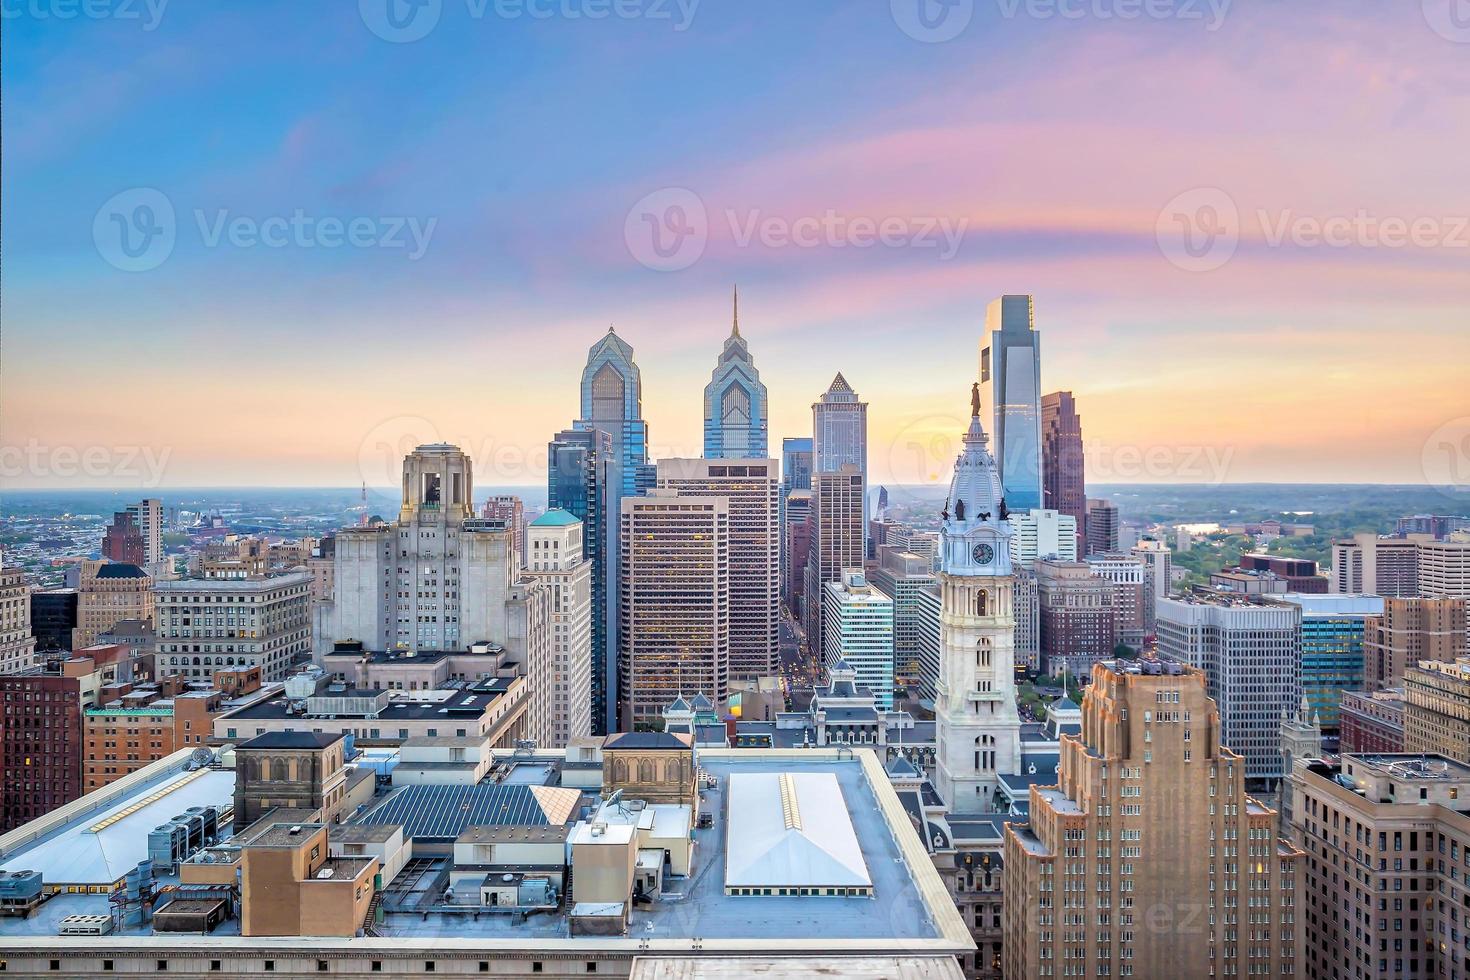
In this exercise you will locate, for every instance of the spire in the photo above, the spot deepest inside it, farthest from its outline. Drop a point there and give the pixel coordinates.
(609, 328)
(735, 328)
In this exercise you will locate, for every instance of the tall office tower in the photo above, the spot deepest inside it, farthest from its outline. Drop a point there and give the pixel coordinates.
(795, 547)
(796, 474)
(205, 625)
(1366, 564)
(612, 402)
(1160, 561)
(977, 728)
(1251, 654)
(1333, 632)
(906, 578)
(839, 430)
(555, 555)
(1027, 607)
(122, 541)
(1078, 627)
(1149, 812)
(511, 511)
(17, 641)
(1010, 383)
(1063, 480)
(1437, 708)
(735, 414)
(1042, 534)
(1408, 631)
(1396, 906)
(675, 596)
(1129, 577)
(148, 518)
(107, 594)
(582, 480)
(749, 485)
(836, 541)
(1102, 526)
(858, 633)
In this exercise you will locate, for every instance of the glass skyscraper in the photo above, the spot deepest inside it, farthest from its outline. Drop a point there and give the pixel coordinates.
(796, 464)
(1010, 385)
(735, 415)
(612, 401)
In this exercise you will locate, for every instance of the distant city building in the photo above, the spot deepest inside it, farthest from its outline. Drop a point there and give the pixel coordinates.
(1143, 789)
(1444, 567)
(796, 475)
(1333, 630)
(1437, 709)
(131, 726)
(612, 402)
(121, 541)
(749, 486)
(582, 479)
(511, 511)
(736, 418)
(147, 516)
(795, 548)
(1063, 476)
(1078, 627)
(836, 540)
(1371, 722)
(908, 580)
(1434, 525)
(53, 617)
(675, 595)
(1408, 631)
(1300, 573)
(1160, 561)
(206, 625)
(563, 689)
(1129, 577)
(18, 642)
(858, 633)
(107, 593)
(1042, 534)
(1250, 653)
(1010, 386)
(1027, 605)
(1102, 526)
(1366, 564)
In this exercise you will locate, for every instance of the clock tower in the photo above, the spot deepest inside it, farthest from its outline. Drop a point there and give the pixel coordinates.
(978, 727)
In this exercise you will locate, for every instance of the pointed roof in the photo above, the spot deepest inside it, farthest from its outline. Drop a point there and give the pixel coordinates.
(839, 383)
(735, 326)
(700, 701)
(901, 767)
(679, 704)
(1064, 703)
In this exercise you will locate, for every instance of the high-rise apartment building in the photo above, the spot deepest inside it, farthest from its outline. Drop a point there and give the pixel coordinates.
(107, 594)
(1129, 578)
(1408, 631)
(121, 541)
(1042, 534)
(1251, 656)
(1437, 708)
(582, 479)
(908, 580)
(555, 555)
(1444, 568)
(858, 633)
(510, 510)
(206, 625)
(612, 402)
(1333, 630)
(1366, 564)
(1102, 526)
(675, 597)
(1386, 846)
(750, 487)
(147, 517)
(1146, 857)
(1077, 624)
(17, 641)
(1160, 561)
(1010, 385)
(836, 540)
(736, 419)
(1063, 477)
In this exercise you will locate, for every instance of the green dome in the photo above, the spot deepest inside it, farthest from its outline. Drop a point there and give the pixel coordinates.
(556, 518)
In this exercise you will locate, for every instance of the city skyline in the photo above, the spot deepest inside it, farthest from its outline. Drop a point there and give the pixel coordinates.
(527, 264)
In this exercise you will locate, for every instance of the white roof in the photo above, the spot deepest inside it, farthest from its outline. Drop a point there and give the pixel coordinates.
(791, 829)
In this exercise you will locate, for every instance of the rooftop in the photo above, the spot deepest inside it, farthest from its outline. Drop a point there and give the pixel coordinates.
(556, 518)
(291, 740)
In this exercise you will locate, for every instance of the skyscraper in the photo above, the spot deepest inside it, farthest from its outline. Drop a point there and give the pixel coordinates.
(148, 518)
(1102, 526)
(612, 401)
(582, 479)
(978, 730)
(858, 633)
(796, 464)
(839, 497)
(749, 485)
(735, 415)
(555, 554)
(1063, 481)
(675, 598)
(1010, 384)
(839, 430)
(122, 542)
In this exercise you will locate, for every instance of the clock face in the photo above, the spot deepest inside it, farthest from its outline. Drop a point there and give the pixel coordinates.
(983, 554)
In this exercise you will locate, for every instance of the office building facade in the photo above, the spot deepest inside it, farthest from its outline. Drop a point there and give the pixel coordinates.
(1063, 476)
(858, 633)
(736, 418)
(1010, 388)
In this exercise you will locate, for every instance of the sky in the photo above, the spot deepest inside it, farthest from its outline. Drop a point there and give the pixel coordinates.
(279, 243)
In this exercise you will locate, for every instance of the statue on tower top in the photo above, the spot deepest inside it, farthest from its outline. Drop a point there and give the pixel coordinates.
(975, 400)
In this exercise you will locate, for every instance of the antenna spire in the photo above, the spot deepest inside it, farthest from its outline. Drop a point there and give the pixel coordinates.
(735, 328)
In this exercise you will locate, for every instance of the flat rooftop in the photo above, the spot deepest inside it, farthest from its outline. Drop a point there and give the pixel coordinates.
(460, 704)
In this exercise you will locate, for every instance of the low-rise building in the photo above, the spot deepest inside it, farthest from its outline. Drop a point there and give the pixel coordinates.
(1371, 721)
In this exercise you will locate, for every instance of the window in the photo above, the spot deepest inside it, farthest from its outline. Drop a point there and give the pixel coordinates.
(214, 966)
(591, 967)
(377, 966)
(162, 966)
(321, 966)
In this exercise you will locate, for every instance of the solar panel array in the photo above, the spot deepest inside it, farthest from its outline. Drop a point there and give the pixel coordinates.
(445, 811)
